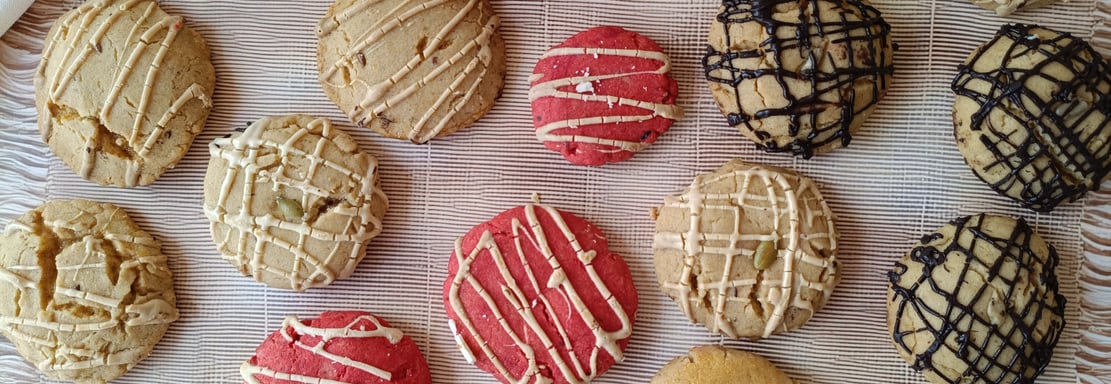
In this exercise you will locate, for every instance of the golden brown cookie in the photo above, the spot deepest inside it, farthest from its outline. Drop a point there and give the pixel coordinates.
(718, 365)
(411, 70)
(748, 251)
(1032, 115)
(122, 90)
(977, 302)
(798, 76)
(87, 292)
(292, 201)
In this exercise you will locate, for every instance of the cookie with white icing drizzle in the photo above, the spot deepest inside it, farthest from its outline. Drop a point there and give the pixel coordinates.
(535, 296)
(86, 292)
(748, 251)
(122, 90)
(603, 95)
(336, 348)
(1006, 7)
(292, 201)
(411, 69)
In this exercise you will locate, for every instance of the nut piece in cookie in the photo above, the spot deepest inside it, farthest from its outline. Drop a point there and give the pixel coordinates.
(337, 347)
(292, 201)
(748, 251)
(798, 76)
(977, 302)
(87, 293)
(535, 296)
(411, 70)
(603, 95)
(122, 90)
(1032, 115)
(719, 365)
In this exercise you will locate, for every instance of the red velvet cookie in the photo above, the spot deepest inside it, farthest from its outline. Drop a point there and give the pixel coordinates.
(534, 295)
(349, 347)
(603, 95)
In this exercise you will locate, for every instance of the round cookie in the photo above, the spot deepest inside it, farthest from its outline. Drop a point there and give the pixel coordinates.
(1032, 115)
(977, 302)
(1006, 7)
(749, 251)
(411, 70)
(718, 365)
(603, 95)
(337, 347)
(292, 201)
(87, 292)
(798, 80)
(534, 295)
(122, 90)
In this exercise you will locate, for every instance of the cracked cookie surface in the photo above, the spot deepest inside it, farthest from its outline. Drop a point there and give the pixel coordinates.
(798, 76)
(87, 293)
(1032, 115)
(292, 201)
(748, 251)
(411, 70)
(977, 302)
(122, 90)
(535, 296)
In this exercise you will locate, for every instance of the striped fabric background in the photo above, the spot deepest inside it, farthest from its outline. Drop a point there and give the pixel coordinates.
(902, 177)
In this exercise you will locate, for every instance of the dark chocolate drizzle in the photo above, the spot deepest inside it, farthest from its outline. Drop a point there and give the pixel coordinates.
(1059, 117)
(802, 110)
(1031, 356)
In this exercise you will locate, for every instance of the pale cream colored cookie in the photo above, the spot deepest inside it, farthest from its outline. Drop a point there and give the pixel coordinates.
(122, 90)
(86, 292)
(293, 202)
(1006, 7)
(411, 70)
(719, 365)
(749, 251)
(799, 77)
(977, 302)
(1032, 115)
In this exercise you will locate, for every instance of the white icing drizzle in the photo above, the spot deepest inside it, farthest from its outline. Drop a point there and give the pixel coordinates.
(550, 88)
(784, 202)
(375, 101)
(536, 236)
(68, 69)
(147, 309)
(292, 325)
(242, 155)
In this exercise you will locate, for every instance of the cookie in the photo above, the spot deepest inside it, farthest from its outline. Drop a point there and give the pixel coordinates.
(534, 295)
(977, 302)
(292, 201)
(87, 292)
(798, 76)
(718, 365)
(1032, 115)
(337, 347)
(747, 250)
(411, 70)
(603, 95)
(1006, 7)
(122, 90)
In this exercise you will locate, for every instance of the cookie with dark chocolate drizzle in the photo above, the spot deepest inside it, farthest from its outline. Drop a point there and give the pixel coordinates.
(977, 302)
(798, 76)
(1031, 115)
